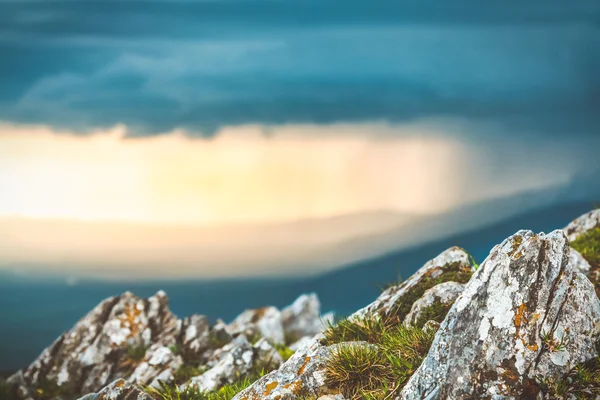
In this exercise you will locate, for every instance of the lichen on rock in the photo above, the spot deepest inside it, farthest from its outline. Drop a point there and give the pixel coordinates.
(491, 343)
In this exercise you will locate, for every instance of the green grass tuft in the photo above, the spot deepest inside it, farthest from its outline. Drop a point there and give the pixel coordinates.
(435, 312)
(187, 371)
(284, 351)
(381, 369)
(227, 392)
(582, 382)
(588, 245)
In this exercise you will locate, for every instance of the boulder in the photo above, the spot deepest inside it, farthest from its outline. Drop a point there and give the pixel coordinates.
(302, 318)
(443, 295)
(196, 336)
(158, 364)
(582, 225)
(265, 322)
(236, 360)
(299, 377)
(526, 313)
(100, 347)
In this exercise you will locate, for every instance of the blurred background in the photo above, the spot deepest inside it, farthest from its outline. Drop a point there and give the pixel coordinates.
(238, 153)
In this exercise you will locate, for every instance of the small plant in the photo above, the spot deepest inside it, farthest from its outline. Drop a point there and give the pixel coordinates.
(435, 312)
(175, 348)
(552, 344)
(588, 245)
(187, 371)
(134, 355)
(284, 351)
(582, 382)
(367, 329)
(190, 392)
(473, 262)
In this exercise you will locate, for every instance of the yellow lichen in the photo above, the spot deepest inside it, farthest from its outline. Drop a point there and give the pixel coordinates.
(301, 370)
(269, 388)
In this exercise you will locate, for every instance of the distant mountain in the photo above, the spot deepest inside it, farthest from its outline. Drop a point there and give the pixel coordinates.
(36, 311)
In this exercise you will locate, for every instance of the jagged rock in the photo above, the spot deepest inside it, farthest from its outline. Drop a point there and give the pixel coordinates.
(265, 321)
(444, 293)
(196, 336)
(119, 390)
(491, 343)
(452, 260)
(302, 375)
(266, 356)
(236, 360)
(95, 351)
(582, 225)
(302, 318)
(158, 364)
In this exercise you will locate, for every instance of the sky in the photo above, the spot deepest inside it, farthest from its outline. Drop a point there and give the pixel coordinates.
(241, 135)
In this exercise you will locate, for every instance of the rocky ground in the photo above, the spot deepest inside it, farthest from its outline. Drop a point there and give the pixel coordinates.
(525, 324)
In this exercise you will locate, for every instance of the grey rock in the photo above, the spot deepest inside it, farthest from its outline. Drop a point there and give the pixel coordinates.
(235, 361)
(490, 344)
(302, 318)
(300, 376)
(265, 321)
(158, 364)
(95, 351)
(196, 336)
(582, 225)
(433, 268)
(444, 293)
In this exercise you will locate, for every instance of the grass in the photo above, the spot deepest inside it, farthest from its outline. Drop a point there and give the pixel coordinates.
(588, 245)
(227, 392)
(452, 272)
(381, 369)
(284, 351)
(435, 312)
(582, 382)
(187, 371)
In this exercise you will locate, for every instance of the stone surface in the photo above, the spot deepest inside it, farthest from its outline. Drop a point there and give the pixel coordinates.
(158, 361)
(95, 351)
(490, 344)
(236, 360)
(119, 390)
(444, 293)
(301, 376)
(302, 318)
(582, 224)
(434, 268)
(265, 321)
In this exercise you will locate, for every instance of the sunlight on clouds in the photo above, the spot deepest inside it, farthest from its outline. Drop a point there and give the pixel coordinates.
(240, 175)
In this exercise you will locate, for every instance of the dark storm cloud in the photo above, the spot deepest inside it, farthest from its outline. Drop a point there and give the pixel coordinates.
(158, 65)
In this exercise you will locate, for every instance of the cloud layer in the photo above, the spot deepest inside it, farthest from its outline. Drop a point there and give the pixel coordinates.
(201, 65)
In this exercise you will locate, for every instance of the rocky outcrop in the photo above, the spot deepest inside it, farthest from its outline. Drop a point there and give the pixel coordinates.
(104, 345)
(447, 266)
(583, 224)
(141, 341)
(302, 376)
(527, 313)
